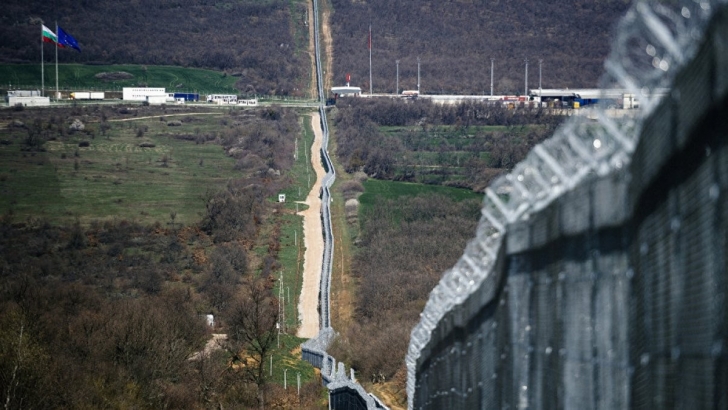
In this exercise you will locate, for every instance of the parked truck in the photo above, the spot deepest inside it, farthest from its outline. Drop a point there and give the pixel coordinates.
(85, 95)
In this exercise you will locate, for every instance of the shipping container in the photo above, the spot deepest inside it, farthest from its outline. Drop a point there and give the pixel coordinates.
(85, 95)
(187, 96)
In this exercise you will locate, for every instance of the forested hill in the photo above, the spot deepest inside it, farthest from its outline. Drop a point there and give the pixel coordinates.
(262, 42)
(456, 39)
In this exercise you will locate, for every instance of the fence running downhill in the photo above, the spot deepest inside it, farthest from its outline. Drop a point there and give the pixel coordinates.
(598, 275)
(344, 391)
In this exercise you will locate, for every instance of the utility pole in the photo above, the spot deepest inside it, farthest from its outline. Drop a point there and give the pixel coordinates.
(526, 80)
(42, 70)
(540, 91)
(491, 76)
(418, 75)
(56, 47)
(396, 92)
(370, 60)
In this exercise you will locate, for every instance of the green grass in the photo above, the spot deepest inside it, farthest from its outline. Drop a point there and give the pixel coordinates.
(290, 257)
(447, 129)
(374, 188)
(284, 358)
(114, 176)
(291, 253)
(82, 77)
(28, 183)
(302, 172)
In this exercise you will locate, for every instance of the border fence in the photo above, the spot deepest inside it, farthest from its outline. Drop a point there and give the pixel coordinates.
(598, 275)
(344, 392)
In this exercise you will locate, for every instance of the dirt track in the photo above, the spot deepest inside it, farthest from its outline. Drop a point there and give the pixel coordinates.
(313, 241)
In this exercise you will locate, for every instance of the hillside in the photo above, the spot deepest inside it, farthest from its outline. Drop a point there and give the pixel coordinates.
(455, 41)
(120, 228)
(114, 77)
(263, 44)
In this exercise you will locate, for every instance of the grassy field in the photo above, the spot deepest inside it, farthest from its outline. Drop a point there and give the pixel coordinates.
(444, 154)
(114, 175)
(374, 188)
(82, 77)
(291, 237)
(288, 356)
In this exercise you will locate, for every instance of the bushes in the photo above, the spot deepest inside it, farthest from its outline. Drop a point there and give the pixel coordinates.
(405, 247)
(458, 145)
(233, 214)
(112, 309)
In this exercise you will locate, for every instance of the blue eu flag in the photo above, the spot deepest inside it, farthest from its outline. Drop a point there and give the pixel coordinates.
(66, 40)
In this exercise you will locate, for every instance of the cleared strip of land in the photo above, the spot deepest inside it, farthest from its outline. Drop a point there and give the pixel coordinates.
(314, 241)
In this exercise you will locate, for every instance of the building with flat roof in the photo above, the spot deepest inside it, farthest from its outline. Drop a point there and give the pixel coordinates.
(346, 91)
(141, 93)
(26, 98)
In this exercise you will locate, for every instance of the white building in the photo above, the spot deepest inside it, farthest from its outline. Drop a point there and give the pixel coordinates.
(26, 98)
(29, 101)
(346, 91)
(23, 93)
(156, 99)
(222, 98)
(141, 94)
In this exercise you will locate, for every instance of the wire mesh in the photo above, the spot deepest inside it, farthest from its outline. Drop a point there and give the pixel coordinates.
(598, 275)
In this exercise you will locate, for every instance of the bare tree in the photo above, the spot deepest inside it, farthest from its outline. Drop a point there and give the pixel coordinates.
(252, 320)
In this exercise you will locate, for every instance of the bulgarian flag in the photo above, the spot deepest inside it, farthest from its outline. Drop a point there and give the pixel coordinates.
(49, 36)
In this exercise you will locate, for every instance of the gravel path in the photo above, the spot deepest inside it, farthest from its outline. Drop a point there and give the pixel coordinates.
(313, 240)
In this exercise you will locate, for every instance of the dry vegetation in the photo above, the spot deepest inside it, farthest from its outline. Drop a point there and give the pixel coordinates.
(261, 43)
(106, 314)
(464, 145)
(404, 246)
(455, 41)
(409, 234)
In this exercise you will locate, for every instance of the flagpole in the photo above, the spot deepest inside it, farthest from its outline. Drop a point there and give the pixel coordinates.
(370, 60)
(42, 69)
(56, 60)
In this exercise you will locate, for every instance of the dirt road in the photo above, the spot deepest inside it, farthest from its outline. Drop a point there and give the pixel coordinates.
(313, 241)
(213, 344)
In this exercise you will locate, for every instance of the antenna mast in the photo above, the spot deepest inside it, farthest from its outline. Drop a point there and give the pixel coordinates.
(525, 92)
(491, 76)
(418, 75)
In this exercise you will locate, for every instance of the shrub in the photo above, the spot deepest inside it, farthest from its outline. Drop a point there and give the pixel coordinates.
(351, 189)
